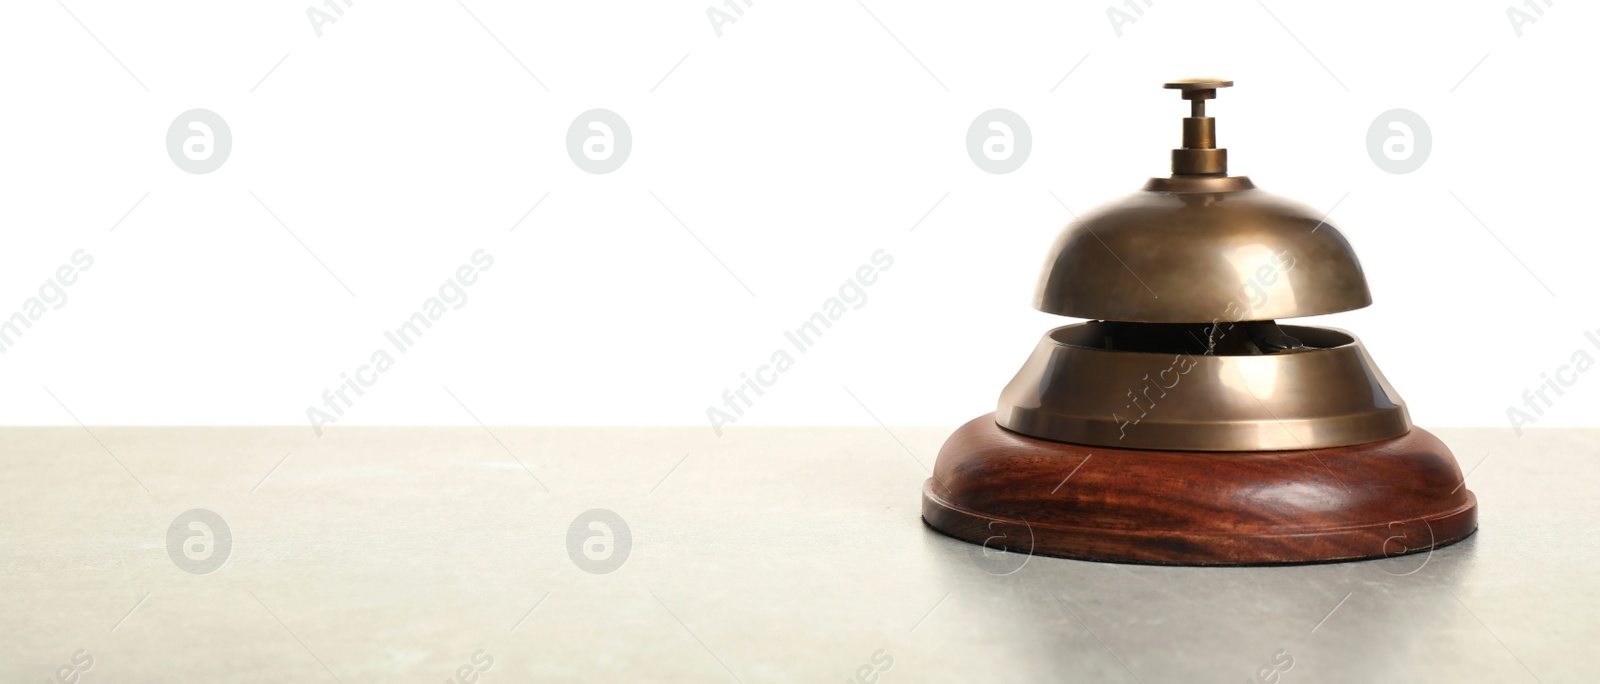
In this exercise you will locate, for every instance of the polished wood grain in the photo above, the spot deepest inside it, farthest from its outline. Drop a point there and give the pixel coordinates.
(1005, 490)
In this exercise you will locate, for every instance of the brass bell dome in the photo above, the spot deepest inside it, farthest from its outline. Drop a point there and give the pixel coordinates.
(1200, 246)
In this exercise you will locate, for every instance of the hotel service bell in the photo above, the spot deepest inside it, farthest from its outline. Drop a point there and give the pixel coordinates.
(1183, 424)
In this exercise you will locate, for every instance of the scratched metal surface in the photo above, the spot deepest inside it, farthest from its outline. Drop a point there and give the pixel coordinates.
(770, 554)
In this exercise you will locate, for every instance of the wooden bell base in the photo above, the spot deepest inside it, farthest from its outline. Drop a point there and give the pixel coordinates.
(1002, 489)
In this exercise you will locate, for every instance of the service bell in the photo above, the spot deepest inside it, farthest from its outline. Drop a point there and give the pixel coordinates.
(1183, 424)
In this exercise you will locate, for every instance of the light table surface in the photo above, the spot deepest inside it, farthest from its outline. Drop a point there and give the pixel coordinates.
(766, 555)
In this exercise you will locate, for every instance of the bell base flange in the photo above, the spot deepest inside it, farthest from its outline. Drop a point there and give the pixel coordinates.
(1073, 389)
(1005, 490)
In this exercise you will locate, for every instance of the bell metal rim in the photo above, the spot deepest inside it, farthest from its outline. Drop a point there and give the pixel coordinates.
(1328, 395)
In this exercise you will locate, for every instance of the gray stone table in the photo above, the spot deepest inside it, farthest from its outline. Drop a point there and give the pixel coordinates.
(768, 555)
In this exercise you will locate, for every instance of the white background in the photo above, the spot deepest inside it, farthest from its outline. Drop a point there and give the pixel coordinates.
(793, 146)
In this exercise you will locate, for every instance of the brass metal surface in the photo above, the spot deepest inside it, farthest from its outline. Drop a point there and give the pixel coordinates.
(1199, 155)
(1189, 85)
(1190, 257)
(1198, 184)
(1200, 246)
(1199, 132)
(1330, 394)
(1199, 162)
